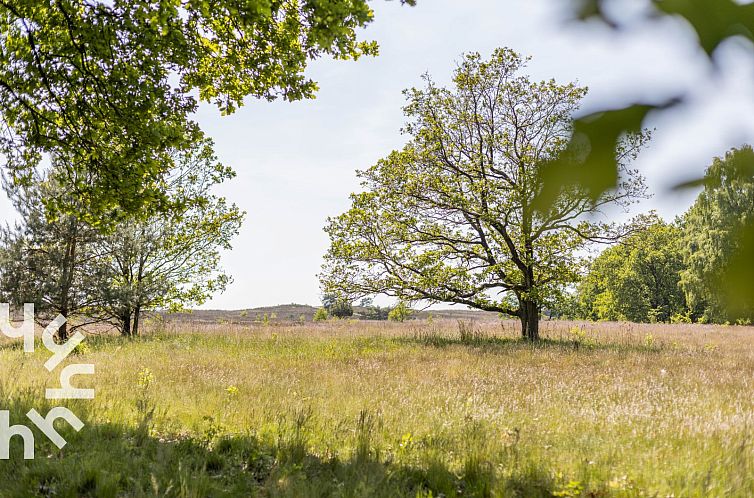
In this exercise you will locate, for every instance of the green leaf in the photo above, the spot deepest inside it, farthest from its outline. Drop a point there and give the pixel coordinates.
(714, 21)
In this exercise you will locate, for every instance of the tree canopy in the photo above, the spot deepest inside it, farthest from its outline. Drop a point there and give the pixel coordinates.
(451, 217)
(638, 279)
(109, 86)
(170, 262)
(716, 227)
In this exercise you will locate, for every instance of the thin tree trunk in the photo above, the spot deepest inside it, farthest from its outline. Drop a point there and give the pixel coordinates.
(66, 282)
(137, 307)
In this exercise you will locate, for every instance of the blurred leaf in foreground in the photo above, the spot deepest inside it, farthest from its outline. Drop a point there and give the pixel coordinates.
(591, 160)
(714, 22)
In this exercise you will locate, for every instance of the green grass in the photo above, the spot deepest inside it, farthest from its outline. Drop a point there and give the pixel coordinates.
(414, 409)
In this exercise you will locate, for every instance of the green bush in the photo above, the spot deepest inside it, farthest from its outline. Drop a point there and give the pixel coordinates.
(337, 306)
(340, 309)
(320, 315)
(400, 313)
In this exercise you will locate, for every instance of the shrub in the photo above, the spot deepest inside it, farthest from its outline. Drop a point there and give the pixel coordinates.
(400, 313)
(320, 315)
(376, 313)
(681, 317)
(340, 309)
(337, 305)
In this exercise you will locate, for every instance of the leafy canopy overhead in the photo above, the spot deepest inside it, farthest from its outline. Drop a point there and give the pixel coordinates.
(450, 217)
(109, 86)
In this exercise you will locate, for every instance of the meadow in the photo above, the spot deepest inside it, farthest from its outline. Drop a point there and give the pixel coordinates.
(421, 408)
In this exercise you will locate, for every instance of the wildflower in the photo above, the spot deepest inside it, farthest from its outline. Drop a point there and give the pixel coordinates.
(146, 377)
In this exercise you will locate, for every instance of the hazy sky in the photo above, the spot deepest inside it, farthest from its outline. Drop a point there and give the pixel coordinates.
(296, 161)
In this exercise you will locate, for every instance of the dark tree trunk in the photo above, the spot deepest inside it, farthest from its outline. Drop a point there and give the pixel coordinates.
(66, 281)
(62, 334)
(529, 320)
(137, 313)
(126, 319)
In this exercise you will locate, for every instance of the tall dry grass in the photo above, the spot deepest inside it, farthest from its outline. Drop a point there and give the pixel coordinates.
(419, 408)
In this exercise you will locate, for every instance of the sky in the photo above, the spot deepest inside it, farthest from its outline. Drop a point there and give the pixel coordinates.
(296, 162)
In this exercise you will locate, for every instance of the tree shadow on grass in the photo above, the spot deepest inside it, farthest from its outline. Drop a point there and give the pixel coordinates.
(474, 339)
(495, 344)
(115, 460)
(93, 340)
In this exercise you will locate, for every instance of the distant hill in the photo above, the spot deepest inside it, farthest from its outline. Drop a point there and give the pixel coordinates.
(304, 312)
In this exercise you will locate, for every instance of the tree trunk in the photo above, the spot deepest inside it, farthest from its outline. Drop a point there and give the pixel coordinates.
(529, 320)
(126, 319)
(137, 313)
(62, 333)
(66, 280)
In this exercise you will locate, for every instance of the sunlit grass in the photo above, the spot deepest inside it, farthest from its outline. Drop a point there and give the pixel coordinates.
(353, 408)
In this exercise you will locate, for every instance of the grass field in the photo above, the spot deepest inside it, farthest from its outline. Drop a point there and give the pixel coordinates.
(382, 409)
